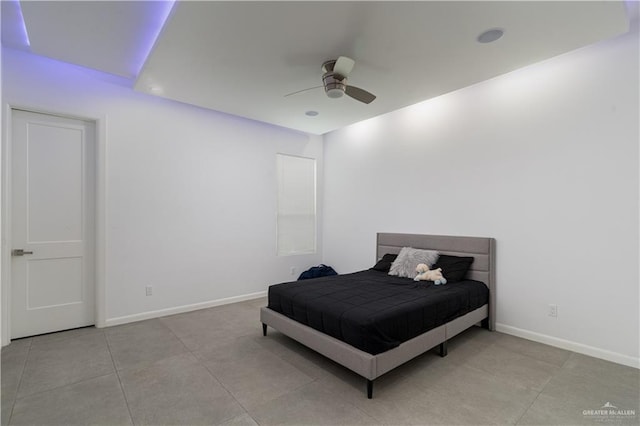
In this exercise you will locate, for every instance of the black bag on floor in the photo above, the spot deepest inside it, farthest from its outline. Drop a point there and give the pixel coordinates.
(317, 271)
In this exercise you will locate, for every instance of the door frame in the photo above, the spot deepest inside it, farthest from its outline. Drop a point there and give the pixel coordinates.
(100, 213)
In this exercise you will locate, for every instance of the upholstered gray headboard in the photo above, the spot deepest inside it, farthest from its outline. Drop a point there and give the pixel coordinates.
(482, 249)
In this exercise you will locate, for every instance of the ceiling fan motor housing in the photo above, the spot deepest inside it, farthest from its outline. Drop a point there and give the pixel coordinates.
(334, 84)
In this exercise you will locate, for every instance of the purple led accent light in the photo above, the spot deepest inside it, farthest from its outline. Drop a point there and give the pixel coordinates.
(632, 8)
(160, 13)
(22, 25)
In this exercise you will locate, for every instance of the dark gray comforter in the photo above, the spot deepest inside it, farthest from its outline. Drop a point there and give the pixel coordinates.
(373, 311)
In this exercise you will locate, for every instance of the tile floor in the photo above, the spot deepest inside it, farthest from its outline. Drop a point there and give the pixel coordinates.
(214, 367)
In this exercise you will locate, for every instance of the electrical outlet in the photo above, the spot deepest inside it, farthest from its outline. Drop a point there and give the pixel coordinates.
(149, 290)
(292, 271)
(553, 311)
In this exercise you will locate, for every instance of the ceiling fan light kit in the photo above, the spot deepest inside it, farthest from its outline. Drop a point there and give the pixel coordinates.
(334, 86)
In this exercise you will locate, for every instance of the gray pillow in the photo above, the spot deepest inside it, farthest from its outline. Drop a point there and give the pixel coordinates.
(407, 260)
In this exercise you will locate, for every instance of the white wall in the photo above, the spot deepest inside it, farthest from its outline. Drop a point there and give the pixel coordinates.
(544, 159)
(190, 193)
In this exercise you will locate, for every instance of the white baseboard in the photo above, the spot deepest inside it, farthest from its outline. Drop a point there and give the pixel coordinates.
(570, 346)
(182, 309)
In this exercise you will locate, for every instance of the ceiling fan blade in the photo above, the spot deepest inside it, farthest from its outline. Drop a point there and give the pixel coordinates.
(343, 66)
(360, 94)
(303, 90)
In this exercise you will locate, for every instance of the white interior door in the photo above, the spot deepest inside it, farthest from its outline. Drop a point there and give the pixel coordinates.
(52, 223)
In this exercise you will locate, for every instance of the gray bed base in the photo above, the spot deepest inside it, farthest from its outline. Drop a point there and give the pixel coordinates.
(373, 366)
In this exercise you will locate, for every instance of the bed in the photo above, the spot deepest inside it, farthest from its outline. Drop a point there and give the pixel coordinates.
(370, 355)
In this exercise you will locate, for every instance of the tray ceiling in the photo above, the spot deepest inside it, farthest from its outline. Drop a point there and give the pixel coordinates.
(241, 57)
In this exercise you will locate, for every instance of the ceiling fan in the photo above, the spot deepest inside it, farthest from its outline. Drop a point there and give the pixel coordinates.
(334, 81)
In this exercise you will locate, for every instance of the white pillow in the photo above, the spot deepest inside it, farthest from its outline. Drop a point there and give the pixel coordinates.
(407, 260)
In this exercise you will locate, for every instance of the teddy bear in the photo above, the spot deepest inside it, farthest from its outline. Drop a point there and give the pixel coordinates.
(425, 274)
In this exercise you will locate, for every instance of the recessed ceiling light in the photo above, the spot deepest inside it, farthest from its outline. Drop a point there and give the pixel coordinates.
(490, 36)
(155, 89)
(311, 113)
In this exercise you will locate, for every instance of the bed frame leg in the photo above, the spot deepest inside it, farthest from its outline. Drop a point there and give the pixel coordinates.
(369, 388)
(443, 349)
(264, 329)
(485, 323)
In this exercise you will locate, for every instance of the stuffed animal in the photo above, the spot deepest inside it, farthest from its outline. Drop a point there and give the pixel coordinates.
(425, 274)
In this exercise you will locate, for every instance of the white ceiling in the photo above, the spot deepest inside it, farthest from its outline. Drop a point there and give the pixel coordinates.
(243, 57)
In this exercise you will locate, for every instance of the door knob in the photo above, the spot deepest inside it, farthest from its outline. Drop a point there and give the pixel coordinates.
(20, 252)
